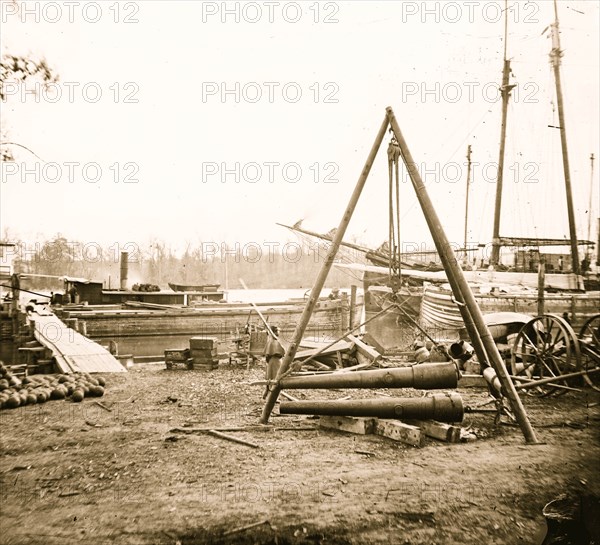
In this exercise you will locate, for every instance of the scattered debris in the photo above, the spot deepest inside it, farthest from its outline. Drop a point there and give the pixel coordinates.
(365, 453)
(247, 527)
(254, 427)
(233, 439)
(289, 397)
(296, 428)
(427, 516)
(103, 406)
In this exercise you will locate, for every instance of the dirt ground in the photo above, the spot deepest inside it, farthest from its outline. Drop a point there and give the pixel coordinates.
(77, 473)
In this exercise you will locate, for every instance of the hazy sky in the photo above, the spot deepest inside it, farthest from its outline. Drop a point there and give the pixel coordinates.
(214, 120)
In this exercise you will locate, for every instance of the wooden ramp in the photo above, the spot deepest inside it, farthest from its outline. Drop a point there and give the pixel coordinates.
(73, 352)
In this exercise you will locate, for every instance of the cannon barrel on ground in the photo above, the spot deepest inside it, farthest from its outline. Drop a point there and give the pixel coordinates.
(427, 376)
(440, 407)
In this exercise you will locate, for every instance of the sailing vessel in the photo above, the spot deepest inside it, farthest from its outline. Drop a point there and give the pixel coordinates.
(438, 308)
(423, 293)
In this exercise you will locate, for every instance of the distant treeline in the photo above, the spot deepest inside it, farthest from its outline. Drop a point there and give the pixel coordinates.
(266, 265)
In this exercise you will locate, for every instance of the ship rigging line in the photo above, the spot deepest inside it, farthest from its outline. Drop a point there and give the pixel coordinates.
(27, 291)
(24, 147)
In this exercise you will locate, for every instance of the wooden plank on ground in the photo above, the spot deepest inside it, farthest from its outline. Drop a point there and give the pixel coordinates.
(437, 430)
(350, 424)
(232, 439)
(399, 431)
(364, 349)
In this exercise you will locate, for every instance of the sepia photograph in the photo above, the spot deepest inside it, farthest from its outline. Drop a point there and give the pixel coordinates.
(300, 273)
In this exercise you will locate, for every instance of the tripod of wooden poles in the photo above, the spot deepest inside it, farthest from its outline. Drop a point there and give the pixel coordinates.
(481, 338)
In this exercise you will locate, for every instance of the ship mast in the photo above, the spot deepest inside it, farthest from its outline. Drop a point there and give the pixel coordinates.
(555, 55)
(589, 229)
(505, 90)
(467, 201)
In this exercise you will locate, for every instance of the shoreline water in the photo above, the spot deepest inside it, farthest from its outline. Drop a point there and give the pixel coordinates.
(150, 346)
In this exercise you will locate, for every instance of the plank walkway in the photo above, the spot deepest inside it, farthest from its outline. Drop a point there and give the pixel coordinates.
(73, 352)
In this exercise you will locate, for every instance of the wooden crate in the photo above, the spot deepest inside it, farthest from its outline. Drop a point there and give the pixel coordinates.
(188, 364)
(205, 366)
(204, 358)
(204, 343)
(173, 354)
(197, 353)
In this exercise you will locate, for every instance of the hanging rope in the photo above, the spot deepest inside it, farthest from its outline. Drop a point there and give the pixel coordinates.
(394, 213)
(399, 247)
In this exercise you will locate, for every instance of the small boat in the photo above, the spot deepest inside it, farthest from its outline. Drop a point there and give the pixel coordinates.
(200, 287)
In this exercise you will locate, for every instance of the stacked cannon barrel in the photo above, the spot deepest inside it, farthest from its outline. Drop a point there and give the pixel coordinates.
(440, 407)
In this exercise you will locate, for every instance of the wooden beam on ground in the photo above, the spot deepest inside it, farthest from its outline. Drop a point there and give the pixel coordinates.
(247, 527)
(232, 439)
(437, 430)
(399, 431)
(350, 424)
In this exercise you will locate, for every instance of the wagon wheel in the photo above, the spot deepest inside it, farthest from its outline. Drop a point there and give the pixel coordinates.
(589, 339)
(546, 347)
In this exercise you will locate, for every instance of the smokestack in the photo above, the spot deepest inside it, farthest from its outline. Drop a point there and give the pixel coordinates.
(124, 269)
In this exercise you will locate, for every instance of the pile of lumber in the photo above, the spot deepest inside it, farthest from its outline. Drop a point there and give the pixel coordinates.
(349, 353)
